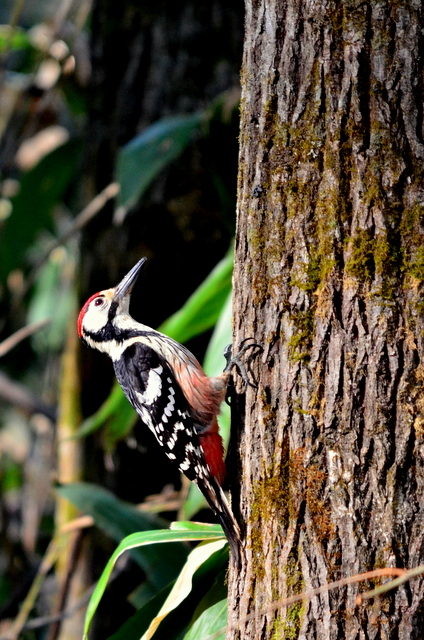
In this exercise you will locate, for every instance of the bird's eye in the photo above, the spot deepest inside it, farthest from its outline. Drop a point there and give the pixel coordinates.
(98, 302)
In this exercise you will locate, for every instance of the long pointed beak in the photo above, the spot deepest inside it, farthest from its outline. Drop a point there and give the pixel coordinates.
(124, 288)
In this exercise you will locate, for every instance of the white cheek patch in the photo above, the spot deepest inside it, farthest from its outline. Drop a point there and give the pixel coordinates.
(95, 318)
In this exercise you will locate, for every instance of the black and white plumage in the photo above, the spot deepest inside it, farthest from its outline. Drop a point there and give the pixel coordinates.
(167, 387)
(151, 388)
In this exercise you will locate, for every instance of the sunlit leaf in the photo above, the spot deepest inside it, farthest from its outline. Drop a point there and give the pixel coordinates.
(178, 621)
(137, 624)
(203, 308)
(183, 584)
(182, 525)
(214, 362)
(209, 622)
(140, 161)
(138, 540)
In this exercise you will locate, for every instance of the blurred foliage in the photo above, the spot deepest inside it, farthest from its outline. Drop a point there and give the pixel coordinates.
(142, 158)
(45, 104)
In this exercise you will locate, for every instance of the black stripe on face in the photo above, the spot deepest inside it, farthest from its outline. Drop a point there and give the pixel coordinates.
(112, 310)
(109, 332)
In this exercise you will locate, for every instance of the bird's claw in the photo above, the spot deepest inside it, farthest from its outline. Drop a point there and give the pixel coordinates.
(243, 369)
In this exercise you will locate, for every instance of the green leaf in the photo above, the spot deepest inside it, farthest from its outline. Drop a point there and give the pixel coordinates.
(203, 308)
(140, 161)
(53, 297)
(137, 540)
(182, 525)
(183, 584)
(214, 362)
(118, 519)
(112, 406)
(119, 425)
(209, 622)
(178, 621)
(40, 189)
(137, 624)
(13, 38)
(217, 592)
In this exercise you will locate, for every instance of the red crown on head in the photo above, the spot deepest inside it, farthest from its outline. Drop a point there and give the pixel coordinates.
(83, 312)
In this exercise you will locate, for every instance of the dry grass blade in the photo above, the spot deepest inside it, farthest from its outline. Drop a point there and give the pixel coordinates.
(403, 574)
(392, 584)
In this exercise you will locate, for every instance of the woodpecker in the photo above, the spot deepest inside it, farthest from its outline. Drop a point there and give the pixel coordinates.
(169, 390)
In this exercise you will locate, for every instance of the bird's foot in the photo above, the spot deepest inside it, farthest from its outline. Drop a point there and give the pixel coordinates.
(244, 369)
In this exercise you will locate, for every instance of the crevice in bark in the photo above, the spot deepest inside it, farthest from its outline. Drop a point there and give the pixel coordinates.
(364, 83)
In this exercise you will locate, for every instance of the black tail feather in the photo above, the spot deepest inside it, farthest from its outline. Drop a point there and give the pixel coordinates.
(226, 518)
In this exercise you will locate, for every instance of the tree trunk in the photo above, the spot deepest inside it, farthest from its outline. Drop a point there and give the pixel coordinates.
(328, 278)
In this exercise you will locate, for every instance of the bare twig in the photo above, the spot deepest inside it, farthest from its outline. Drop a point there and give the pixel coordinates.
(82, 522)
(12, 341)
(44, 621)
(17, 395)
(83, 218)
(49, 559)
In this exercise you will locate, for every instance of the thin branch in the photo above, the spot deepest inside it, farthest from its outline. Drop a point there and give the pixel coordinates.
(53, 550)
(64, 588)
(12, 341)
(44, 621)
(17, 395)
(81, 220)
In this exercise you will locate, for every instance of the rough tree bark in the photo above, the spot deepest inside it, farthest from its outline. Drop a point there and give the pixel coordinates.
(328, 278)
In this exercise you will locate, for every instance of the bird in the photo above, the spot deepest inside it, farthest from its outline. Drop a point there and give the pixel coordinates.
(168, 388)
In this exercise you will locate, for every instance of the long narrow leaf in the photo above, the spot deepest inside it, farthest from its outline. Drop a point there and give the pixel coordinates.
(183, 584)
(204, 307)
(211, 621)
(136, 625)
(140, 161)
(112, 405)
(182, 525)
(138, 540)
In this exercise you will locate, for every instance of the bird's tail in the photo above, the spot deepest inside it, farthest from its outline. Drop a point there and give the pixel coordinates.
(213, 451)
(219, 505)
